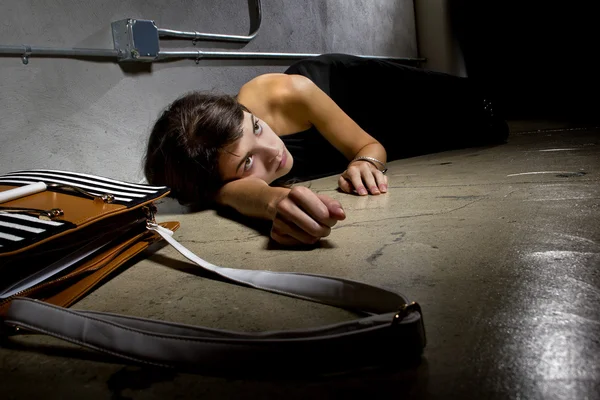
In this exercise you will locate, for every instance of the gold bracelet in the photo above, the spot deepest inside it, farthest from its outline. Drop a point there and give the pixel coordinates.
(372, 160)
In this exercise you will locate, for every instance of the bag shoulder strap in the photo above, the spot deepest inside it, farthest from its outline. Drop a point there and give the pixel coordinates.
(392, 326)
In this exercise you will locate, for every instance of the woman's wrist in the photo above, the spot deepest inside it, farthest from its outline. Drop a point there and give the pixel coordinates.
(380, 165)
(275, 195)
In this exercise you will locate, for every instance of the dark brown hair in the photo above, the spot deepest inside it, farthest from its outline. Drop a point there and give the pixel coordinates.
(185, 143)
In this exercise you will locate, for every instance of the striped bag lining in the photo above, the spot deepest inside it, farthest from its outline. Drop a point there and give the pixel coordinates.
(19, 230)
(125, 193)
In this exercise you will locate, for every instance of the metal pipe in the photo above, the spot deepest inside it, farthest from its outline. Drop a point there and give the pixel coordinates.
(27, 51)
(216, 36)
(199, 54)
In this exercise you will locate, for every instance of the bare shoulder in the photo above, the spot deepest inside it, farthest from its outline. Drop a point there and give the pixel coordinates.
(276, 89)
(275, 98)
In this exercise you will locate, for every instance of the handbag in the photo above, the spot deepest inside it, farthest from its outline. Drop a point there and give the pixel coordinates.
(80, 228)
(65, 232)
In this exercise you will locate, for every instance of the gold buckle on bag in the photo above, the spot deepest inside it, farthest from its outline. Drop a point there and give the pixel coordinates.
(404, 310)
(46, 215)
(105, 198)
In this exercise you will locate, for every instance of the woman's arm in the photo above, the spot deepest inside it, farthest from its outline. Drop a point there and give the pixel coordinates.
(302, 99)
(252, 197)
(299, 215)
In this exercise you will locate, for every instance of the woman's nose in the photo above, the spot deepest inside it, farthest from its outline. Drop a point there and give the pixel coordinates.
(271, 153)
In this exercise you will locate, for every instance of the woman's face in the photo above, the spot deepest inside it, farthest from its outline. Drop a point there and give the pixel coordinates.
(259, 153)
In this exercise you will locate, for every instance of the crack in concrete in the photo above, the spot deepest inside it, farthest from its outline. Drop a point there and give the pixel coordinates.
(504, 183)
(218, 240)
(379, 252)
(361, 223)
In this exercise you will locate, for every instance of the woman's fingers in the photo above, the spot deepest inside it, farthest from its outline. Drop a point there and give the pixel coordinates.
(364, 178)
(310, 209)
(305, 217)
(336, 211)
(284, 239)
(286, 229)
(382, 181)
(294, 215)
(345, 185)
(369, 180)
(353, 174)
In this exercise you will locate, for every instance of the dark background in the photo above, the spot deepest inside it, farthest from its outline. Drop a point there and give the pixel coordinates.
(539, 59)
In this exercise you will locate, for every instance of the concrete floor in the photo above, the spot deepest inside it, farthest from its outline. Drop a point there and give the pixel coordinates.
(500, 246)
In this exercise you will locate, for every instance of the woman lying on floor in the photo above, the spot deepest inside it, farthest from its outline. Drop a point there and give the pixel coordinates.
(333, 114)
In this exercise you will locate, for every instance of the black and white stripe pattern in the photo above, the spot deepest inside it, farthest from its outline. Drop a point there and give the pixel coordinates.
(126, 193)
(20, 230)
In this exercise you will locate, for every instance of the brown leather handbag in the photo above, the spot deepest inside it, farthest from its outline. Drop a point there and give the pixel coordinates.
(64, 232)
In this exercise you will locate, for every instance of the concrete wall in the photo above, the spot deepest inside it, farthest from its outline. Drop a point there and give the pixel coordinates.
(436, 41)
(95, 116)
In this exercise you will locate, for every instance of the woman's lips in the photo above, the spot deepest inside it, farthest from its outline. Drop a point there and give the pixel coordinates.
(283, 159)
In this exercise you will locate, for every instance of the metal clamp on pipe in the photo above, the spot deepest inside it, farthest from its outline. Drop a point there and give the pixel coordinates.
(26, 54)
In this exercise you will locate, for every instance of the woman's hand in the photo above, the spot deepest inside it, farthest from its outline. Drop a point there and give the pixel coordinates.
(364, 178)
(304, 217)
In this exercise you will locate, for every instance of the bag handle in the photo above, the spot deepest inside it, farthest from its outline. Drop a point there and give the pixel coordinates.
(393, 327)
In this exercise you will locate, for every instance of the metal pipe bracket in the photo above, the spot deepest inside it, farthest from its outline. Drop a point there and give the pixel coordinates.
(26, 54)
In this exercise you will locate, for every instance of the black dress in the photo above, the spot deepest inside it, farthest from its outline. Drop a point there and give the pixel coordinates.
(409, 110)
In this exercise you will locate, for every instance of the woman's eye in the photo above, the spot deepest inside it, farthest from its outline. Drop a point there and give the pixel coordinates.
(248, 163)
(257, 128)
